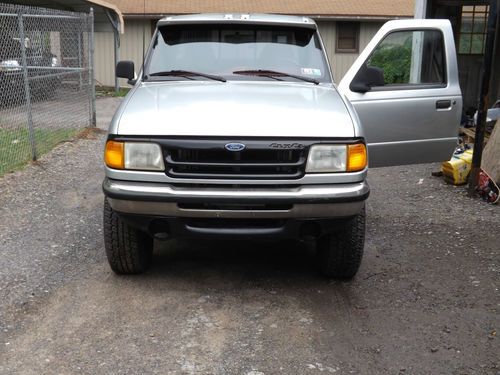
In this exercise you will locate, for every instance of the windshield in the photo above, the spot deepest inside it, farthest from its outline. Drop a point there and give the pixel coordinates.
(223, 50)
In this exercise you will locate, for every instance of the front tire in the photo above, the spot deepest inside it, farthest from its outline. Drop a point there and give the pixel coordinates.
(129, 251)
(340, 252)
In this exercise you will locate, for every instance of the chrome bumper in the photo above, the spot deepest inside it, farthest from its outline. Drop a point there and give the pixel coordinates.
(309, 201)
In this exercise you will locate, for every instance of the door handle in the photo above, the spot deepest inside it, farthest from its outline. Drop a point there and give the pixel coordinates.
(443, 104)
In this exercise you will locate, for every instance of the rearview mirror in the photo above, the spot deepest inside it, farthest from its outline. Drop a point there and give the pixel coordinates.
(125, 69)
(366, 78)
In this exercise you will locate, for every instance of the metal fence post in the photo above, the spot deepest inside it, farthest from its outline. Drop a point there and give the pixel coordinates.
(80, 63)
(27, 94)
(116, 35)
(93, 121)
(116, 42)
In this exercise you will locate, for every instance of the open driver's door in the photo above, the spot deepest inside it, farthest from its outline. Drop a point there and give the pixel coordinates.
(405, 89)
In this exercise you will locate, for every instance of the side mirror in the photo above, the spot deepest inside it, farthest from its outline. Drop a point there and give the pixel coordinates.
(125, 69)
(366, 78)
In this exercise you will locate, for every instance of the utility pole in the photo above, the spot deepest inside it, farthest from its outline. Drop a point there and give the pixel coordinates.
(483, 98)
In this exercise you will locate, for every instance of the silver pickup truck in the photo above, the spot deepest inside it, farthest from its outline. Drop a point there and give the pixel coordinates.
(235, 129)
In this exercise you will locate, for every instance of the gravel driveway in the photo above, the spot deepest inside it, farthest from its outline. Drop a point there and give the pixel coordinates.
(426, 299)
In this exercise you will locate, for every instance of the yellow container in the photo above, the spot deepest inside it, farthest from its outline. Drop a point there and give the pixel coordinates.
(457, 169)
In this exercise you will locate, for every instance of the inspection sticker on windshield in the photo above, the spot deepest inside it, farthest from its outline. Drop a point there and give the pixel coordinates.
(310, 71)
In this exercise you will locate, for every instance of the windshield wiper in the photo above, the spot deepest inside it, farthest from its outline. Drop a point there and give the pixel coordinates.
(273, 73)
(187, 74)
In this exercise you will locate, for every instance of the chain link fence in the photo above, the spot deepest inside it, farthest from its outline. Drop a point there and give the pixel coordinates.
(46, 80)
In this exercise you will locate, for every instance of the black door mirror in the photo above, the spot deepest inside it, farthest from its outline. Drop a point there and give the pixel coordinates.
(366, 78)
(125, 69)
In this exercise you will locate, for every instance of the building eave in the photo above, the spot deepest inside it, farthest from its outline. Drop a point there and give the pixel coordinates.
(319, 17)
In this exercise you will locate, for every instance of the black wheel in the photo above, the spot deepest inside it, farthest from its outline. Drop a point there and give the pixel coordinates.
(129, 250)
(340, 253)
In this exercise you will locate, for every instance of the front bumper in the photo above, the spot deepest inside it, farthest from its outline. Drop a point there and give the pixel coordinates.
(307, 201)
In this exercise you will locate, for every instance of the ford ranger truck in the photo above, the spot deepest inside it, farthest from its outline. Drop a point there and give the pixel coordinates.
(235, 129)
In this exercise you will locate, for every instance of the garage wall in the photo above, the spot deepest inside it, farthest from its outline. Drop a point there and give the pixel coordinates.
(131, 48)
(341, 62)
(104, 58)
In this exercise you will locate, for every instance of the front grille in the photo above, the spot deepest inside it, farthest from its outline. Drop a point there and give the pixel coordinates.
(256, 161)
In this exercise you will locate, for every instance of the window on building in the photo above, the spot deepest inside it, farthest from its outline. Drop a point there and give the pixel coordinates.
(347, 37)
(472, 34)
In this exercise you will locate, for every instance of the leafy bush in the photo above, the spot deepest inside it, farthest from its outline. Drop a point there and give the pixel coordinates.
(395, 60)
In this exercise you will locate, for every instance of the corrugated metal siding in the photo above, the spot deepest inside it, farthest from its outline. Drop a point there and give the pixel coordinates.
(104, 59)
(132, 42)
(341, 62)
(131, 48)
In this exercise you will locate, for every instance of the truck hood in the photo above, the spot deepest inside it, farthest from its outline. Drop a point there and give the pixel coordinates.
(235, 109)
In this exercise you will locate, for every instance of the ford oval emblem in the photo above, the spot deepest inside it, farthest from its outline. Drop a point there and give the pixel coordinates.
(234, 146)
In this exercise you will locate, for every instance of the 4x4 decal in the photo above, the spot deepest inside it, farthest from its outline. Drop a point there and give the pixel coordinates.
(287, 146)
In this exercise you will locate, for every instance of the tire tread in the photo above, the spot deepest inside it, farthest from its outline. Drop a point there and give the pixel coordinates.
(128, 250)
(340, 253)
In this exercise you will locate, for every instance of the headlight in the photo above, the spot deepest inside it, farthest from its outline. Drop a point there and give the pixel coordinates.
(327, 158)
(336, 158)
(10, 66)
(134, 155)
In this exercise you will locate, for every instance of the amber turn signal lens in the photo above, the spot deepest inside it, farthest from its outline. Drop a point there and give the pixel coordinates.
(113, 155)
(356, 160)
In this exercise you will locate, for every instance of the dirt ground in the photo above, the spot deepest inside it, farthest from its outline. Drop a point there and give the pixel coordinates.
(426, 299)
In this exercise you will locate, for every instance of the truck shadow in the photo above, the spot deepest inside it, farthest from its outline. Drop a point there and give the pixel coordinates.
(250, 260)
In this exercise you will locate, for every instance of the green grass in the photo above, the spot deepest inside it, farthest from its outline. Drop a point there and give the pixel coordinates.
(121, 92)
(15, 148)
(109, 91)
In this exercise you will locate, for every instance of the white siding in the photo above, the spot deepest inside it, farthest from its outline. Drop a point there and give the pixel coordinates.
(341, 62)
(104, 59)
(131, 45)
(131, 48)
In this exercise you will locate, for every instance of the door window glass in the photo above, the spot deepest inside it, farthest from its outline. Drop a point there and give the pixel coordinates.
(411, 58)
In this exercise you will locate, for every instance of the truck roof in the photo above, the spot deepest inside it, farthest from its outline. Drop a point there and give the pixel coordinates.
(239, 18)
